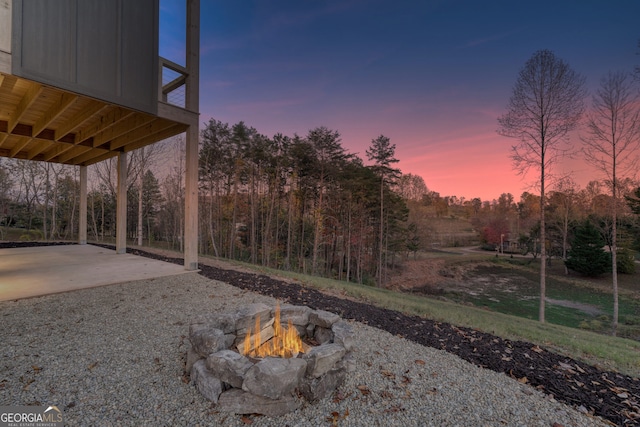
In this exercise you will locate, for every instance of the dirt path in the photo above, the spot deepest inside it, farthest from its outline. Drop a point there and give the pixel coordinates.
(589, 309)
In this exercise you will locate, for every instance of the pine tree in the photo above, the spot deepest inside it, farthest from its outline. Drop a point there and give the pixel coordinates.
(587, 255)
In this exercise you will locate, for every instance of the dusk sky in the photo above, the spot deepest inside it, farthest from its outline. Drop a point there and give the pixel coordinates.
(433, 76)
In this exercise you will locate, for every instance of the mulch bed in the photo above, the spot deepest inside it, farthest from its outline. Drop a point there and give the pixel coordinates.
(610, 395)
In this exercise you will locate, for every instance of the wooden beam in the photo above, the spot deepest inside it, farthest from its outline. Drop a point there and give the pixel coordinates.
(74, 152)
(99, 158)
(127, 125)
(56, 150)
(174, 130)
(29, 97)
(121, 205)
(8, 82)
(86, 158)
(174, 84)
(79, 119)
(39, 148)
(113, 117)
(164, 62)
(22, 142)
(3, 138)
(25, 130)
(177, 114)
(59, 107)
(155, 126)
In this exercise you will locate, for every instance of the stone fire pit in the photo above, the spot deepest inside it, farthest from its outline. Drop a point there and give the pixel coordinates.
(269, 385)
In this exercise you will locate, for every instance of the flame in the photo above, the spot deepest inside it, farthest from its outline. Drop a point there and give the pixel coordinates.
(285, 342)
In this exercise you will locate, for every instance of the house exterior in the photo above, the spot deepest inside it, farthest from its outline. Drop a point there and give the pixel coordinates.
(81, 81)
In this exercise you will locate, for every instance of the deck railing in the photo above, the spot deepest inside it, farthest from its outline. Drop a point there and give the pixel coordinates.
(173, 81)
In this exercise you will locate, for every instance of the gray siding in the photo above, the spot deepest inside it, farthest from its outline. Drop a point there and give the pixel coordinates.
(107, 49)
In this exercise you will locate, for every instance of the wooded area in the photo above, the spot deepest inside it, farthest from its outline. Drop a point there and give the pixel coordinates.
(300, 203)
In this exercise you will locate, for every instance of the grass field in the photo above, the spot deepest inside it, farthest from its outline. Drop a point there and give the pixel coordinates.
(500, 286)
(604, 351)
(19, 234)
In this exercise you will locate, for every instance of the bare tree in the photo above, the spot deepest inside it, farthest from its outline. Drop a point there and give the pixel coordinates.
(611, 145)
(411, 187)
(561, 202)
(546, 104)
(142, 160)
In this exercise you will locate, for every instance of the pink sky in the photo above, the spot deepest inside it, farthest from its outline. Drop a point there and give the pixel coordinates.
(432, 76)
(456, 150)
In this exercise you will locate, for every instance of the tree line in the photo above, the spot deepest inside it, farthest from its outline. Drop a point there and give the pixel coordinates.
(297, 203)
(301, 203)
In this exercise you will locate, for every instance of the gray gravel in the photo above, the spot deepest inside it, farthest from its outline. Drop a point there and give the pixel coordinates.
(113, 356)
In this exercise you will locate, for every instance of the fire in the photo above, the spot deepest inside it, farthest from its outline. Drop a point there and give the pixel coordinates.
(285, 342)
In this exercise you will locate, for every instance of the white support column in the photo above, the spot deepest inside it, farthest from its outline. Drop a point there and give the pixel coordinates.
(82, 226)
(191, 200)
(121, 205)
(192, 103)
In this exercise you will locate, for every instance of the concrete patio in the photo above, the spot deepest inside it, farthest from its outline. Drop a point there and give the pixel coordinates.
(36, 271)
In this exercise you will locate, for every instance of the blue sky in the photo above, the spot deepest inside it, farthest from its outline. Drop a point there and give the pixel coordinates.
(431, 75)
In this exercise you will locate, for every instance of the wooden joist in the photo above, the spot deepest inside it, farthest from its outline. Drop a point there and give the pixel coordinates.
(38, 122)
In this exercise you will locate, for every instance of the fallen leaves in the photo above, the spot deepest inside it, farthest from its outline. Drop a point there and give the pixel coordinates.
(386, 395)
(339, 396)
(432, 391)
(246, 420)
(388, 374)
(335, 417)
(522, 380)
(27, 384)
(394, 409)
(185, 378)
(364, 390)
(92, 366)
(420, 362)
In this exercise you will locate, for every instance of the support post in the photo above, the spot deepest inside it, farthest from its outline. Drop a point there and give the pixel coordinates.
(121, 205)
(192, 103)
(82, 226)
(191, 200)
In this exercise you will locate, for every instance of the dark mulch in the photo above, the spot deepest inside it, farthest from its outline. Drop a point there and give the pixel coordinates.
(610, 395)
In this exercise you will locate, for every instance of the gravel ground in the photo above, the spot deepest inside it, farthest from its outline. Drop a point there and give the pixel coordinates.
(114, 356)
